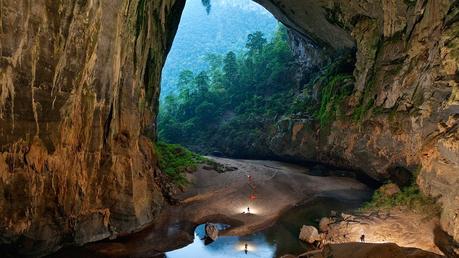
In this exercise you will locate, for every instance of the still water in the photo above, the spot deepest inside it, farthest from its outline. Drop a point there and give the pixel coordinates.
(280, 239)
(226, 246)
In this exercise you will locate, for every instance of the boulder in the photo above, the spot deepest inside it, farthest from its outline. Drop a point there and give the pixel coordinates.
(324, 224)
(389, 189)
(211, 231)
(309, 234)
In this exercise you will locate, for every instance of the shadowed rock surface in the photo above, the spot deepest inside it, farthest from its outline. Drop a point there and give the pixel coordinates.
(79, 86)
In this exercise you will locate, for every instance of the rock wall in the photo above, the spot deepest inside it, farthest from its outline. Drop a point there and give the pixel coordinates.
(404, 111)
(79, 85)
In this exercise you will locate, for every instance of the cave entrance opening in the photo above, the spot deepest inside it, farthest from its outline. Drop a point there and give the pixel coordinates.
(230, 72)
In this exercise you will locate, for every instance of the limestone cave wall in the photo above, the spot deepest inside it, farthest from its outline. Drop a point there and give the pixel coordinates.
(79, 86)
(404, 110)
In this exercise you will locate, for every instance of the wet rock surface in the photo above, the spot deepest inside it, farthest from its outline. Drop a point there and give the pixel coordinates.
(79, 85)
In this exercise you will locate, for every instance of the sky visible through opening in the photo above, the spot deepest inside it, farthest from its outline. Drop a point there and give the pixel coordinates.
(224, 29)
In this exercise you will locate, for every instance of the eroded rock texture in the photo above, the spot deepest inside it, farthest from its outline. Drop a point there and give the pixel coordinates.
(79, 84)
(404, 111)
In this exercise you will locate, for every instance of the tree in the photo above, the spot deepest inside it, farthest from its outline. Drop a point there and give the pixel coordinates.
(202, 82)
(207, 5)
(205, 112)
(255, 42)
(214, 61)
(184, 84)
(232, 102)
(230, 67)
(185, 78)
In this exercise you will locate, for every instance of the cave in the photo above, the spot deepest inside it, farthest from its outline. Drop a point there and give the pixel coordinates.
(79, 97)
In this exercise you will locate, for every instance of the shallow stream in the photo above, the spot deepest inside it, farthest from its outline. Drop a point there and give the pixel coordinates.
(275, 241)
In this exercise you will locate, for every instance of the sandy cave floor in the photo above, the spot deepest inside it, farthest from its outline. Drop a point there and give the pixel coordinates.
(277, 186)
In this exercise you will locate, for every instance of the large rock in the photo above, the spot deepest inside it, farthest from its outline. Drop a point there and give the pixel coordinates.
(79, 85)
(309, 234)
(389, 190)
(324, 224)
(211, 231)
(403, 116)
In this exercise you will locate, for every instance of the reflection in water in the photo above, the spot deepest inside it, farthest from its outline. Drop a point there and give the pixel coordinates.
(225, 246)
(287, 228)
(273, 242)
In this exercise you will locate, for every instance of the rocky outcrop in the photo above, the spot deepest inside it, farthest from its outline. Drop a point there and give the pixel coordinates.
(372, 250)
(404, 110)
(79, 84)
(309, 234)
(211, 231)
(403, 227)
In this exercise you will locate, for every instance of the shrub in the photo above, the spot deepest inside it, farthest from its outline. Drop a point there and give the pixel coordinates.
(335, 92)
(409, 197)
(175, 160)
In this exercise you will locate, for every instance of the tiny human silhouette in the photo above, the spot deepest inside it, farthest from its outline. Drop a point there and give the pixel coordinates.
(248, 210)
(246, 250)
(362, 238)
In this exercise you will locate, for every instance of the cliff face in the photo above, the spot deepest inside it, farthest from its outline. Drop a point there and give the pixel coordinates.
(404, 110)
(79, 84)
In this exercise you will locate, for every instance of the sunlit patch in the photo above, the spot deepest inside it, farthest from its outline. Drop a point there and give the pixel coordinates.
(249, 210)
(246, 246)
(367, 237)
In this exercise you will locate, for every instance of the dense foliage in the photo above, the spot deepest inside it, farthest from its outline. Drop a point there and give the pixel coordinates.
(333, 84)
(175, 161)
(217, 32)
(409, 197)
(231, 102)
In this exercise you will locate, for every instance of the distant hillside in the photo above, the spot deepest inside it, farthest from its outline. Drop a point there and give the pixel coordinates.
(224, 29)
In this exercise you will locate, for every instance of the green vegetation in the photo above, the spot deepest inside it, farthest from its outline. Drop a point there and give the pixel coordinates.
(336, 84)
(409, 197)
(175, 161)
(362, 110)
(333, 98)
(229, 104)
(200, 34)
